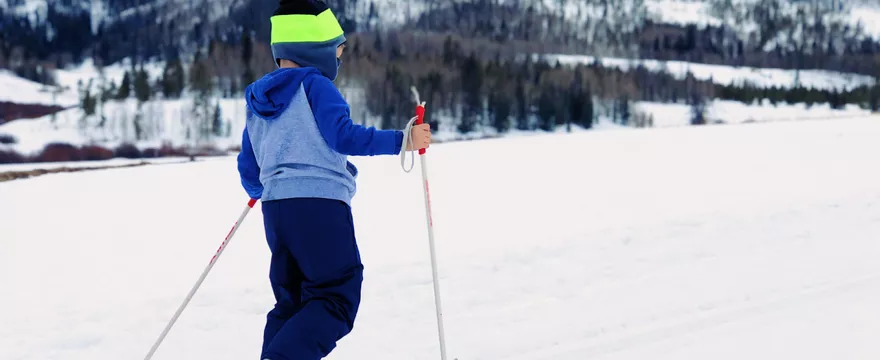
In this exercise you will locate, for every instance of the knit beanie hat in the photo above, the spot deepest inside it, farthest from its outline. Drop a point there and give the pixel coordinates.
(307, 33)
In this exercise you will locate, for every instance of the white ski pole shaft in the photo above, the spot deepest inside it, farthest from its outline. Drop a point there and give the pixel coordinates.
(192, 292)
(420, 114)
(434, 271)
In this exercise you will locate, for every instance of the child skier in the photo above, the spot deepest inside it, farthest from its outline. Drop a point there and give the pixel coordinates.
(293, 157)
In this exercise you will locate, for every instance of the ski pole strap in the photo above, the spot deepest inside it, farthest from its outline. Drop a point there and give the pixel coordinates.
(407, 132)
(407, 139)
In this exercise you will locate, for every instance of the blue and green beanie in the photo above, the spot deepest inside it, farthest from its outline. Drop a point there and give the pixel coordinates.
(307, 33)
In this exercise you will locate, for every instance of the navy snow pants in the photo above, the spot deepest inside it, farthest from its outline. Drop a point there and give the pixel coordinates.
(316, 275)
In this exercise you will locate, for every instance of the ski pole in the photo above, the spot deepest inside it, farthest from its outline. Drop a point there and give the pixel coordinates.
(211, 263)
(419, 119)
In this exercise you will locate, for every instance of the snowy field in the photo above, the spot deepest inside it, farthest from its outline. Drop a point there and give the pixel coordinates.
(726, 242)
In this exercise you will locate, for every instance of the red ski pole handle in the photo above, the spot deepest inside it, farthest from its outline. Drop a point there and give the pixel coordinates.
(420, 119)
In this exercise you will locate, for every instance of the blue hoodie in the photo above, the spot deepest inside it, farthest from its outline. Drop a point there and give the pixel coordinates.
(298, 136)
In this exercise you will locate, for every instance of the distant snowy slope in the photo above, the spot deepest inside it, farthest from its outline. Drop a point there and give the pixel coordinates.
(729, 75)
(88, 71)
(870, 18)
(681, 12)
(700, 13)
(22, 91)
(734, 112)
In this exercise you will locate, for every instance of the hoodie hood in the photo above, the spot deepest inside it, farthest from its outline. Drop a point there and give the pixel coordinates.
(269, 96)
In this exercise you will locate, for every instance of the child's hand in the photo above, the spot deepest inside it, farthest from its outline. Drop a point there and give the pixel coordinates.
(421, 137)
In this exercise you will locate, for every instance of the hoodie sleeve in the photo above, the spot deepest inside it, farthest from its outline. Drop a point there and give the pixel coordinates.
(333, 116)
(248, 169)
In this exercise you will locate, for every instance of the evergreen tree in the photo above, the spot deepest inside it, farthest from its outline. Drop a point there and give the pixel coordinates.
(124, 90)
(88, 101)
(450, 51)
(247, 54)
(586, 120)
(217, 123)
(471, 76)
(874, 97)
(200, 80)
(698, 110)
(142, 89)
(172, 81)
(547, 109)
(500, 107)
(580, 102)
(624, 110)
(522, 104)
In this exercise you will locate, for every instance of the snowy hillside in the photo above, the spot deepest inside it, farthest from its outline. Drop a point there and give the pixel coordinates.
(747, 242)
(728, 75)
(23, 91)
(108, 11)
(162, 121)
(396, 12)
(702, 13)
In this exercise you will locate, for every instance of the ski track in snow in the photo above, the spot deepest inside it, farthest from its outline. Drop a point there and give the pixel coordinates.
(751, 241)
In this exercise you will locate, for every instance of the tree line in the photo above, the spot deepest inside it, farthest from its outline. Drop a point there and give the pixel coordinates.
(472, 83)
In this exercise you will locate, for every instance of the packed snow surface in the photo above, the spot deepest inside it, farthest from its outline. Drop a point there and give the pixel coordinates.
(755, 241)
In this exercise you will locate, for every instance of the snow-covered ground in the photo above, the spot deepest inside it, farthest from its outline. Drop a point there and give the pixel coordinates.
(727, 75)
(725, 242)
